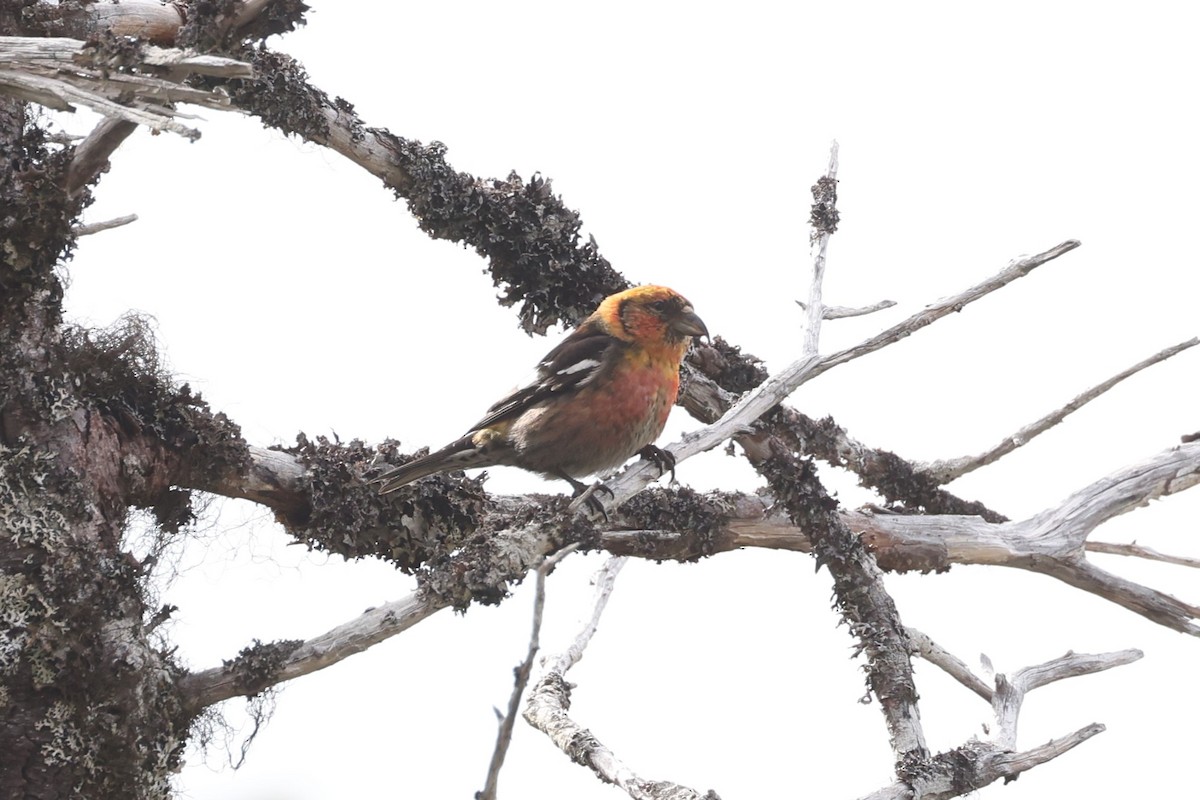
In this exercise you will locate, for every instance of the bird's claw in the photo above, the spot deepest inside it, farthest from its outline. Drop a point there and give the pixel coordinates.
(663, 459)
(588, 498)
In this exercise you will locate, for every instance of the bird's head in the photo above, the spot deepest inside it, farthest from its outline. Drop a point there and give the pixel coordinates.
(649, 314)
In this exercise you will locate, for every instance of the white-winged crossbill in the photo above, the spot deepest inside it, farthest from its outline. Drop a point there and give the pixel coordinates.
(599, 397)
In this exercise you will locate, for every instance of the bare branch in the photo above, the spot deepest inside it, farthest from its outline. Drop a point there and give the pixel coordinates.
(1018, 268)
(947, 470)
(1164, 474)
(483, 566)
(1051, 542)
(1009, 765)
(1152, 604)
(1010, 692)
(521, 675)
(935, 654)
(211, 686)
(1136, 550)
(842, 312)
(55, 73)
(824, 219)
(546, 711)
(604, 580)
(976, 764)
(106, 225)
(92, 154)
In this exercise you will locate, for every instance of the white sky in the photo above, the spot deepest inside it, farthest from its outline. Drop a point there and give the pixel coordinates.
(294, 293)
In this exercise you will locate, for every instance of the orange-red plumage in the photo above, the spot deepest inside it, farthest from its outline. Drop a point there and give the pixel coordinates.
(602, 395)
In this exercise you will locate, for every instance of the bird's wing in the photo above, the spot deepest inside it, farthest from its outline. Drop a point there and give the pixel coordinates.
(572, 364)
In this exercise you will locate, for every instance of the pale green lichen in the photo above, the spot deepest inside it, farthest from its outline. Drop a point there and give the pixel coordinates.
(20, 606)
(67, 744)
(23, 475)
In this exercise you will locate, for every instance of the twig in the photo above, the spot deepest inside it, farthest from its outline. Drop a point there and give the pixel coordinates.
(604, 580)
(521, 675)
(92, 154)
(947, 470)
(1136, 550)
(842, 312)
(935, 654)
(106, 225)
(1016, 269)
(824, 220)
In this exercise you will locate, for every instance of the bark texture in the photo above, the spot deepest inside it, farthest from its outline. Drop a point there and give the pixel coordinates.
(88, 704)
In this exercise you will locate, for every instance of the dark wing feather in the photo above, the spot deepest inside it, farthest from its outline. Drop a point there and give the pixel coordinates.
(571, 364)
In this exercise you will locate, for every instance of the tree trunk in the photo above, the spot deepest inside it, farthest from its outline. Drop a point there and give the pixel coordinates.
(88, 704)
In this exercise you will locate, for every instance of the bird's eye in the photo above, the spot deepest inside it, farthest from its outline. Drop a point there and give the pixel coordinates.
(659, 305)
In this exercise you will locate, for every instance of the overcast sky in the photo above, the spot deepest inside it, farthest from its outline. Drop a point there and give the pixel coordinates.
(296, 294)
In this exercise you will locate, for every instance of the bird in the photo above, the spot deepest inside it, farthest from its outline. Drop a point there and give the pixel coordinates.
(599, 397)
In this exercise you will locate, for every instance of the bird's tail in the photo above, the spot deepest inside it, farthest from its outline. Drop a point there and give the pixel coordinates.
(459, 454)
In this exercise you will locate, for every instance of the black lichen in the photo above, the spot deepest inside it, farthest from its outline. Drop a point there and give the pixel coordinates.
(257, 667)
(280, 95)
(823, 215)
(118, 371)
(906, 489)
(36, 217)
(725, 363)
(702, 517)
(502, 553)
(210, 24)
(346, 514)
(530, 237)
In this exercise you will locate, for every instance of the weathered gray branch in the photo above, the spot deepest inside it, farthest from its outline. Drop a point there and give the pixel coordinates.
(55, 72)
(1051, 543)
(210, 686)
(546, 710)
(1135, 550)
(105, 225)
(949, 663)
(978, 763)
(843, 312)
(521, 677)
(947, 470)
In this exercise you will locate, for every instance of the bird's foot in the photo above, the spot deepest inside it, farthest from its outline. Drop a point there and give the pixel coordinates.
(588, 498)
(586, 495)
(663, 459)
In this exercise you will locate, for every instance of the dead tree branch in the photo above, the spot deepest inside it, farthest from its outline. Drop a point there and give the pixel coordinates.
(521, 677)
(1045, 543)
(106, 225)
(1136, 550)
(546, 711)
(948, 470)
(976, 764)
(63, 73)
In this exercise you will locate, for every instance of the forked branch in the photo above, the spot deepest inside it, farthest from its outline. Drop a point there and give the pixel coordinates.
(546, 710)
